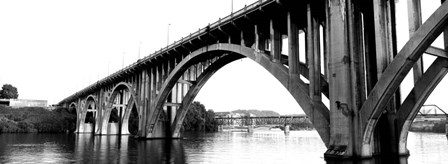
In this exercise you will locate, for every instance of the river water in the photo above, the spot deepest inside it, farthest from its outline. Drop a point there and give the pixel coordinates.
(224, 147)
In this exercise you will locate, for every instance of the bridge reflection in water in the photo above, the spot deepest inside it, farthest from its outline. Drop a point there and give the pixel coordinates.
(124, 149)
(236, 147)
(226, 147)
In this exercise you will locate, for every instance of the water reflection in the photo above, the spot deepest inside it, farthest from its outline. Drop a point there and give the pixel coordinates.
(377, 160)
(227, 147)
(29, 148)
(126, 149)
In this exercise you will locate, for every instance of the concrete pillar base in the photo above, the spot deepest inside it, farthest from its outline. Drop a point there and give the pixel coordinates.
(287, 129)
(250, 128)
(337, 151)
(336, 154)
(446, 128)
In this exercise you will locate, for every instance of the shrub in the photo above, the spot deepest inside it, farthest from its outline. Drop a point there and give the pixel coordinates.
(31, 119)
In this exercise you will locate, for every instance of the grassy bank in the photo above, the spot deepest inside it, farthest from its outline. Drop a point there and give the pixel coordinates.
(35, 119)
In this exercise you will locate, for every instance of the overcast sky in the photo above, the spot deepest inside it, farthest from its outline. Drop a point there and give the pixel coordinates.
(49, 49)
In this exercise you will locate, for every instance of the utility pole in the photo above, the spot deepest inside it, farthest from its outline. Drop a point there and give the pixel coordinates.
(231, 6)
(122, 61)
(139, 45)
(168, 35)
(108, 68)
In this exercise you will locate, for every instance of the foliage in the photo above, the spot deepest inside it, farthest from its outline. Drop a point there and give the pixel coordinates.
(33, 119)
(304, 124)
(9, 92)
(198, 119)
(257, 113)
(439, 127)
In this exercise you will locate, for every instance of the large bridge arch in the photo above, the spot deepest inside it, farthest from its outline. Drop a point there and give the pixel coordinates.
(132, 102)
(317, 111)
(393, 75)
(417, 97)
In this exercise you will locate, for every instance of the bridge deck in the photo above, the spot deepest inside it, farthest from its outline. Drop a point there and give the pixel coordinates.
(215, 32)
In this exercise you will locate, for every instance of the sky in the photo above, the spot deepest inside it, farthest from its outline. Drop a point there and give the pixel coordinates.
(50, 49)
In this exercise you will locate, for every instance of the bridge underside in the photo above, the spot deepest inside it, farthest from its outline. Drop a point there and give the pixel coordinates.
(350, 55)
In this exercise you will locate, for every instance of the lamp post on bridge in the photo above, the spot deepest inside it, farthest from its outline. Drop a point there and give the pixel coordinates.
(168, 35)
(231, 6)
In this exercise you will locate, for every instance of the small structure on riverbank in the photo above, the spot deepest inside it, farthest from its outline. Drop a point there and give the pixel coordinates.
(430, 118)
(17, 103)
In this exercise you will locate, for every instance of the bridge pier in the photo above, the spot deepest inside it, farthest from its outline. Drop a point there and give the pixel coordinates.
(250, 128)
(287, 129)
(353, 75)
(446, 127)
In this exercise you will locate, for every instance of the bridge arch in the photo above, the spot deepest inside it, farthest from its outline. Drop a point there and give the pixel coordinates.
(72, 108)
(298, 90)
(417, 97)
(86, 115)
(132, 102)
(393, 75)
(89, 106)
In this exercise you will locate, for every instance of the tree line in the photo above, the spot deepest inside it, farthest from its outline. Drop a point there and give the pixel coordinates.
(199, 119)
(35, 119)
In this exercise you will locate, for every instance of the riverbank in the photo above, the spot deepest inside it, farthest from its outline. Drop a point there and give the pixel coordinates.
(437, 126)
(35, 120)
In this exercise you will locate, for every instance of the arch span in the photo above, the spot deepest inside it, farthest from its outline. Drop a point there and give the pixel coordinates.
(131, 102)
(91, 106)
(317, 111)
(72, 107)
(395, 72)
(88, 108)
(194, 90)
(417, 97)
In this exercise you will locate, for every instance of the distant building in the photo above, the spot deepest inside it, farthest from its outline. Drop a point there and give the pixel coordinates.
(16, 103)
(222, 114)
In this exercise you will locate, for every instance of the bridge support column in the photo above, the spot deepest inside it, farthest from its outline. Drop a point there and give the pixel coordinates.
(345, 78)
(446, 127)
(287, 129)
(250, 128)
(276, 42)
(386, 134)
(78, 109)
(99, 113)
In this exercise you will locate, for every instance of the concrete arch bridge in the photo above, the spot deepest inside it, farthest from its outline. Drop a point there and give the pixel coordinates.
(351, 59)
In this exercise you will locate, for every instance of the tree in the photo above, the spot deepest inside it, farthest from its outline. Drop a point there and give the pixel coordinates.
(198, 119)
(9, 92)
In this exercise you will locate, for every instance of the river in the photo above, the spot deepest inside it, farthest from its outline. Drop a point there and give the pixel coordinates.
(224, 147)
